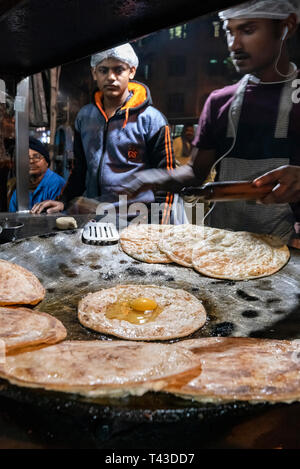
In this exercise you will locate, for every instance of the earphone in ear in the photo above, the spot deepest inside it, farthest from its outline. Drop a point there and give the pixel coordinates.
(285, 32)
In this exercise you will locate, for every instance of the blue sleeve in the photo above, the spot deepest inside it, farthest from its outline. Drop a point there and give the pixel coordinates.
(13, 203)
(56, 188)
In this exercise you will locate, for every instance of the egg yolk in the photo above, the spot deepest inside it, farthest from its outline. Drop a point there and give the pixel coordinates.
(143, 304)
(138, 311)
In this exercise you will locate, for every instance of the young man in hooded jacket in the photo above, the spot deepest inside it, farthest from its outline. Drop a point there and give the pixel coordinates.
(117, 135)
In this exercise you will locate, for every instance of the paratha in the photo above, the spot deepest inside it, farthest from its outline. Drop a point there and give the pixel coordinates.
(243, 369)
(141, 242)
(21, 327)
(18, 285)
(178, 243)
(179, 312)
(239, 255)
(100, 368)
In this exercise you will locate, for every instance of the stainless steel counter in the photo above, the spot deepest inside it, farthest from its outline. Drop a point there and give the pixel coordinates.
(39, 224)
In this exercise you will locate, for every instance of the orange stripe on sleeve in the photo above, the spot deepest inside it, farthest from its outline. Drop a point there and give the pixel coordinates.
(168, 168)
(167, 147)
(170, 150)
(170, 196)
(165, 208)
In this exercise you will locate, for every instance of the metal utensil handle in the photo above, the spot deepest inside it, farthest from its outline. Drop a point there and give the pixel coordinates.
(232, 190)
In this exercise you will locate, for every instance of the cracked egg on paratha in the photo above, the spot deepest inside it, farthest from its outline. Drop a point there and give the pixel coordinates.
(142, 312)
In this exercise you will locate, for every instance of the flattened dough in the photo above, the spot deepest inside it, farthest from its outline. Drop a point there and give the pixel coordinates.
(243, 369)
(179, 242)
(239, 255)
(182, 312)
(141, 243)
(100, 368)
(18, 285)
(21, 327)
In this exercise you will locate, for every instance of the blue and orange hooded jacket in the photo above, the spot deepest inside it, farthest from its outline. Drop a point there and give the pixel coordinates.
(107, 151)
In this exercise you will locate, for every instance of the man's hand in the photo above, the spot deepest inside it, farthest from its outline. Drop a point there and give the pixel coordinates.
(49, 206)
(287, 189)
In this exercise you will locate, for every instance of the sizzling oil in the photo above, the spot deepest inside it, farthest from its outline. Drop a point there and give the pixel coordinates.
(132, 311)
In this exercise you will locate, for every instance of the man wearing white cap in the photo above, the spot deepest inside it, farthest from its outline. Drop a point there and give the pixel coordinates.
(252, 127)
(119, 134)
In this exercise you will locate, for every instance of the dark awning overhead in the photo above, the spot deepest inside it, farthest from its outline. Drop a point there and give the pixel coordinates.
(35, 34)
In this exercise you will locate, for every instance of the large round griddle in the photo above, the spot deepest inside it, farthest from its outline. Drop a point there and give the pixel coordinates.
(68, 269)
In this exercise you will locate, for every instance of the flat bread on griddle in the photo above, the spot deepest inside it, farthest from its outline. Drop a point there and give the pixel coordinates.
(178, 243)
(100, 368)
(22, 327)
(180, 313)
(19, 286)
(141, 242)
(242, 369)
(239, 255)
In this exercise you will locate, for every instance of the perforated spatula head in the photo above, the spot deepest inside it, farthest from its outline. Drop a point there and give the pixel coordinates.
(95, 232)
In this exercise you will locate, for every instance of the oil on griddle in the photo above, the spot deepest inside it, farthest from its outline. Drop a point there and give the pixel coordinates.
(69, 269)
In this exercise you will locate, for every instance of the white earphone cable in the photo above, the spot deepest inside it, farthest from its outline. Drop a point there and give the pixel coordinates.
(224, 156)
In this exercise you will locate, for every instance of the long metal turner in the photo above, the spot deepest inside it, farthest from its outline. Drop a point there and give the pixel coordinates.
(229, 191)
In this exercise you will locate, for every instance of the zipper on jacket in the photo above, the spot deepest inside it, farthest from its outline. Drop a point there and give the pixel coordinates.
(99, 176)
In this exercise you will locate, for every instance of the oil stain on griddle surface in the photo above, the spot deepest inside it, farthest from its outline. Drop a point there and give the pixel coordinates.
(69, 269)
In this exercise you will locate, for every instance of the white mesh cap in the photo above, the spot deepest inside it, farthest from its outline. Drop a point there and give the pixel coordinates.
(273, 9)
(124, 53)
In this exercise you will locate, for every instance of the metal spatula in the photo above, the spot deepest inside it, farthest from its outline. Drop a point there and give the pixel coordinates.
(95, 232)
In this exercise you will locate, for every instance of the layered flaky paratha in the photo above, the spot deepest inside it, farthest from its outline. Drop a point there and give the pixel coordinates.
(141, 242)
(18, 285)
(239, 255)
(22, 327)
(100, 368)
(178, 243)
(243, 369)
(179, 312)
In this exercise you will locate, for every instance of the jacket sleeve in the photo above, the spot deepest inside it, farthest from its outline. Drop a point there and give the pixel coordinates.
(161, 155)
(160, 149)
(75, 185)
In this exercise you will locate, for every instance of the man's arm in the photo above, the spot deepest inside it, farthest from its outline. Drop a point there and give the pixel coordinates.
(192, 174)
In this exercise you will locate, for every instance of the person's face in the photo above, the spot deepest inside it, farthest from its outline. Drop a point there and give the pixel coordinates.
(189, 133)
(37, 163)
(254, 44)
(112, 77)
